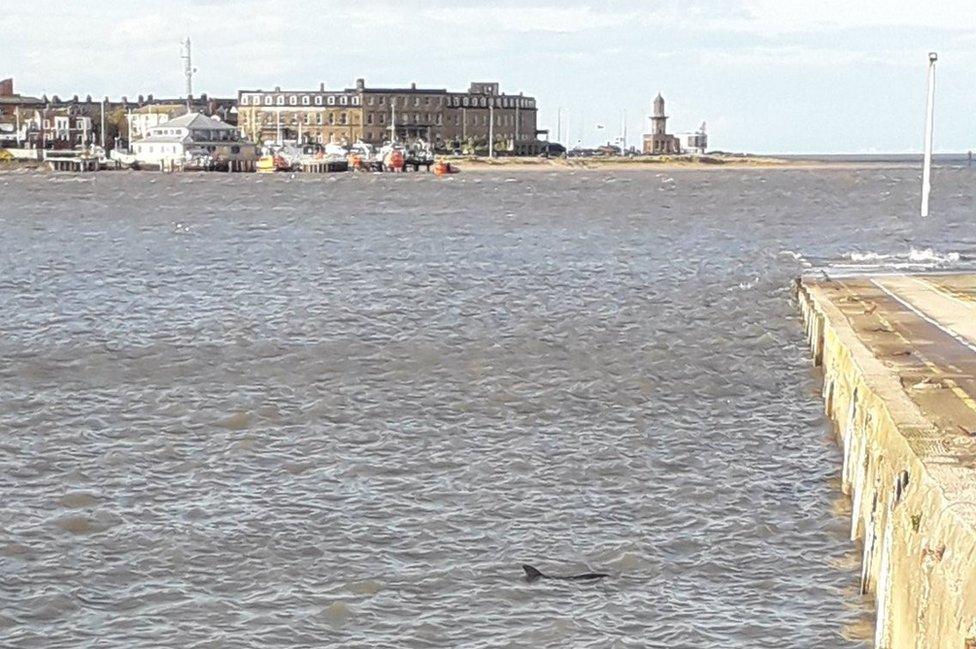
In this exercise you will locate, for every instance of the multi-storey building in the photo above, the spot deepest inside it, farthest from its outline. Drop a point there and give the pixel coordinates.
(22, 117)
(376, 115)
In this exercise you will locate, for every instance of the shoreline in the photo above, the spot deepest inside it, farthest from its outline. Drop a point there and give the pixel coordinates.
(482, 164)
(710, 163)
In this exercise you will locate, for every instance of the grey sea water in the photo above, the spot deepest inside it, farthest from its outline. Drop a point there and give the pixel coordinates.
(245, 411)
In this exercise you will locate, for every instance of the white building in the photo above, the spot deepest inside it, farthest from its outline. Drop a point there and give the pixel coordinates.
(144, 118)
(192, 140)
(696, 142)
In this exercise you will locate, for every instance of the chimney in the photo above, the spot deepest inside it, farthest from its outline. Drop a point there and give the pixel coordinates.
(277, 89)
(413, 86)
(360, 84)
(322, 86)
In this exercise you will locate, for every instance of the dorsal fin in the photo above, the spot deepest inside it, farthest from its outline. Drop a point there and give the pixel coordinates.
(531, 574)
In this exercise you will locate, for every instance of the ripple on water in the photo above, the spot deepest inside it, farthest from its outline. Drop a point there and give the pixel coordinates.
(296, 417)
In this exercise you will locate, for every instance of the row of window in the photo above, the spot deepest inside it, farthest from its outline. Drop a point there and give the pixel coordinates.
(167, 131)
(64, 123)
(455, 101)
(293, 100)
(341, 119)
(320, 118)
(163, 148)
(466, 101)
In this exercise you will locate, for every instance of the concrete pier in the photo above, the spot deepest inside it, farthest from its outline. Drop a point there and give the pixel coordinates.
(72, 164)
(898, 354)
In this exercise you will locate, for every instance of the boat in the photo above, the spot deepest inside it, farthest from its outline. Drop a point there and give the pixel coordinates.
(418, 154)
(392, 157)
(266, 164)
(442, 168)
(361, 156)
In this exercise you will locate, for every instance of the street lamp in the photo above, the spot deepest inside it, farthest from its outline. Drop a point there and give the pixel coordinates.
(929, 109)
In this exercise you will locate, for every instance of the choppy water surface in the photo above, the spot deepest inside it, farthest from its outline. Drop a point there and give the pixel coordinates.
(340, 411)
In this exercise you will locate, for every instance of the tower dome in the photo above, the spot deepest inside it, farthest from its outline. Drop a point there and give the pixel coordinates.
(659, 106)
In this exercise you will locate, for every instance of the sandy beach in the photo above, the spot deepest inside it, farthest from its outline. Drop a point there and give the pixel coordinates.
(664, 163)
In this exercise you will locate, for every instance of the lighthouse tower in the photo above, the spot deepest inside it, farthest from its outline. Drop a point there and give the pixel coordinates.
(658, 119)
(658, 141)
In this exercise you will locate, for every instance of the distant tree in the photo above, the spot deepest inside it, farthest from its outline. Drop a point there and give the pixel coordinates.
(116, 126)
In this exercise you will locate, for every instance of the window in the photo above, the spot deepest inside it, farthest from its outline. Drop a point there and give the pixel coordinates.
(369, 118)
(293, 101)
(356, 101)
(342, 117)
(426, 101)
(280, 100)
(305, 100)
(319, 118)
(331, 118)
(382, 118)
(244, 100)
(416, 101)
(382, 101)
(343, 100)
(318, 100)
(331, 100)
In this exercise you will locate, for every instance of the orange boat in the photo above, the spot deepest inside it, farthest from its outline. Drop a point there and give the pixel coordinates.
(394, 160)
(444, 168)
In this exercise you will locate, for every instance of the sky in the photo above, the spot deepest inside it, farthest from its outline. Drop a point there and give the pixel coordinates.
(767, 76)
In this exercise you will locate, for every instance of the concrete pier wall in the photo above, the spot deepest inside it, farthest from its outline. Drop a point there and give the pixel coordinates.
(913, 502)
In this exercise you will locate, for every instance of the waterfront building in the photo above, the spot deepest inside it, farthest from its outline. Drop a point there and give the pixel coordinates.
(10, 101)
(696, 142)
(17, 113)
(63, 127)
(447, 119)
(146, 117)
(176, 142)
(659, 141)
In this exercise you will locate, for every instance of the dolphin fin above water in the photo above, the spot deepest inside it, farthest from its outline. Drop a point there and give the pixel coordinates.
(533, 574)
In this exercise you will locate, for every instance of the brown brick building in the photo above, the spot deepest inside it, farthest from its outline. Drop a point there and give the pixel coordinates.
(445, 118)
(659, 141)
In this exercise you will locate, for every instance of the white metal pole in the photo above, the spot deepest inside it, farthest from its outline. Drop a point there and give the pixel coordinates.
(103, 122)
(491, 127)
(929, 110)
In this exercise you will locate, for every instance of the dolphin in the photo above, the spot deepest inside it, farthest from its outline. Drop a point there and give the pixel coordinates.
(532, 574)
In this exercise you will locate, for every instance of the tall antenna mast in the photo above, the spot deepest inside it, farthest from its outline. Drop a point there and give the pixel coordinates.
(188, 71)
